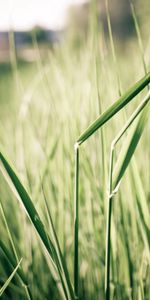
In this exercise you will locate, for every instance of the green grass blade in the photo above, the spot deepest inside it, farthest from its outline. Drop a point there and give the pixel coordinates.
(8, 232)
(76, 222)
(129, 146)
(20, 272)
(112, 189)
(44, 172)
(140, 192)
(27, 291)
(16, 185)
(114, 108)
(12, 261)
(3, 288)
(57, 245)
(23, 195)
(112, 44)
(139, 38)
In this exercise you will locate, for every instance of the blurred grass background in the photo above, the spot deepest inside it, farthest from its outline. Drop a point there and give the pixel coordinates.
(44, 106)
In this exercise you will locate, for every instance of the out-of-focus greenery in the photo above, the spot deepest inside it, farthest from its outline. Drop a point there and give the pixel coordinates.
(44, 107)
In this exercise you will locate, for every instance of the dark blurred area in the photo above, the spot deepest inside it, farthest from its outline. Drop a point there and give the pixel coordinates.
(121, 18)
(25, 40)
(120, 15)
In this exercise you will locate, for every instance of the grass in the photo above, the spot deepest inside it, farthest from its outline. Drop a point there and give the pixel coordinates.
(8, 280)
(80, 242)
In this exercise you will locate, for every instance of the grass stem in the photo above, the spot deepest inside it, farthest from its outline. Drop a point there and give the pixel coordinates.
(76, 222)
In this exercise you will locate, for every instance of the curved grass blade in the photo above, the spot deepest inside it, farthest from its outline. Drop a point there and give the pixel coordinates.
(113, 189)
(22, 195)
(130, 144)
(114, 108)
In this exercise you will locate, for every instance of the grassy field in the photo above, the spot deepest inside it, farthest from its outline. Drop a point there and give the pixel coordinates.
(45, 106)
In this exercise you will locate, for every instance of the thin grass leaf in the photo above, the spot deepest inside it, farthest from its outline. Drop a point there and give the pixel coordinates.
(8, 232)
(16, 289)
(23, 196)
(3, 288)
(113, 50)
(76, 221)
(55, 236)
(112, 189)
(12, 262)
(139, 189)
(114, 108)
(130, 145)
(44, 172)
(20, 273)
(138, 32)
(27, 291)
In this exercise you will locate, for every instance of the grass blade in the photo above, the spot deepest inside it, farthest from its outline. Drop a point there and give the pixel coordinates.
(20, 272)
(112, 188)
(22, 194)
(76, 221)
(130, 145)
(12, 261)
(114, 108)
(3, 288)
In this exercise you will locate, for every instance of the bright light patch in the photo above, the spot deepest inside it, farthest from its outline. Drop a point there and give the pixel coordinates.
(24, 14)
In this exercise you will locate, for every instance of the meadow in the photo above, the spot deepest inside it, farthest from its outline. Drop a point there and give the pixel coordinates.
(81, 227)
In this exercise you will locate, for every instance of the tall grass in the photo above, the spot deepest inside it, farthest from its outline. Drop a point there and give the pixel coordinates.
(80, 250)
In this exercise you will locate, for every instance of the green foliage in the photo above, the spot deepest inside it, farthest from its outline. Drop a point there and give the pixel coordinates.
(44, 107)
